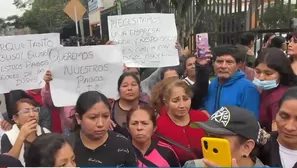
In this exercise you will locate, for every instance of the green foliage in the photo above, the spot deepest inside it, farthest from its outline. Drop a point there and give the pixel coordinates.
(278, 16)
(23, 3)
(44, 16)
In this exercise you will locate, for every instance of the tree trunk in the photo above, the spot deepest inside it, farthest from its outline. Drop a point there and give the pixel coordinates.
(181, 29)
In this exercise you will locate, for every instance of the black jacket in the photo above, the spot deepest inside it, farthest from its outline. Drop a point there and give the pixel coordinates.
(269, 153)
(200, 87)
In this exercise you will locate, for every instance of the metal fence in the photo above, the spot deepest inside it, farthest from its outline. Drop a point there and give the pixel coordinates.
(224, 20)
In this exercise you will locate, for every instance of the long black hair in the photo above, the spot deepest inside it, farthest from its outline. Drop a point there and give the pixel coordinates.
(14, 96)
(277, 60)
(42, 151)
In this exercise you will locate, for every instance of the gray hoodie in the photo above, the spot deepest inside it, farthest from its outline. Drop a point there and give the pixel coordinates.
(199, 163)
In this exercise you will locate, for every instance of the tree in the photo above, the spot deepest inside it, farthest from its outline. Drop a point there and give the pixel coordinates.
(23, 3)
(277, 16)
(181, 8)
(45, 16)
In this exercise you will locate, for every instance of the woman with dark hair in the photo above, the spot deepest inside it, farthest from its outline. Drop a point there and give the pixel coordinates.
(93, 143)
(170, 72)
(274, 76)
(16, 141)
(45, 117)
(189, 70)
(129, 91)
(50, 150)
(142, 123)
(281, 148)
(292, 51)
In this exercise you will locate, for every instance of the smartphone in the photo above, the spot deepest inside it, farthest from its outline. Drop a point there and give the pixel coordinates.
(202, 44)
(217, 150)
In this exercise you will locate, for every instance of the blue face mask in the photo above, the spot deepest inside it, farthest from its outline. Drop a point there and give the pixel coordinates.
(266, 85)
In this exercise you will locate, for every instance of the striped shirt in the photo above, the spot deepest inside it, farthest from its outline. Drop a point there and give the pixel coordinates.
(159, 154)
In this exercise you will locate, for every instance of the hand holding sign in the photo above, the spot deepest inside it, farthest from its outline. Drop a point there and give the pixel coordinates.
(146, 39)
(79, 69)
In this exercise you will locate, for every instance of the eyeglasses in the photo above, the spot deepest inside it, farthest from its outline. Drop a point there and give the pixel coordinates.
(27, 111)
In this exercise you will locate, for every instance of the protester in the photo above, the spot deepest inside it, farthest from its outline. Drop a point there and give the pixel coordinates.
(199, 88)
(129, 92)
(247, 40)
(243, 53)
(56, 121)
(45, 117)
(241, 128)
(281, 149)
(230, 87)
(143, 96)
(175, 125)
(274, 76)
(279, 42)
(93, 143)
(292, 52)
(16, 141)
(189, 70)
(170, 72)
(150, 152)
(50, 150)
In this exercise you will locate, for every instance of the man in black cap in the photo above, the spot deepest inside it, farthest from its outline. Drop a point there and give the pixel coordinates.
(231, 121)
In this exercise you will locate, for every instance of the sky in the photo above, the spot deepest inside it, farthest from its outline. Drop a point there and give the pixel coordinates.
(8, 9)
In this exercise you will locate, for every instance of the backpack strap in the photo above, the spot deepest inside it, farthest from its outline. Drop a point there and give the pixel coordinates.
(146, 162)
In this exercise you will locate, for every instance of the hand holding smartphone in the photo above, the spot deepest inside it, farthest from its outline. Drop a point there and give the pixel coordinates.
(217, 150)
(202, 45)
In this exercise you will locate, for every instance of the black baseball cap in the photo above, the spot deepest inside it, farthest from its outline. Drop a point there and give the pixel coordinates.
(231, 120)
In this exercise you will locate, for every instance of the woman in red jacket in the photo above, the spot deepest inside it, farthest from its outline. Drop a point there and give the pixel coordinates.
(175, 125)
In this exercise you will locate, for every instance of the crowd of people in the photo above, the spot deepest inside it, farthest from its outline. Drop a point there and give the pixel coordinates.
(159, 121)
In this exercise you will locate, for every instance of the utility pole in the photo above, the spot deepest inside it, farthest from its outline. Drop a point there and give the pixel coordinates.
(81, 25)
(119, 6)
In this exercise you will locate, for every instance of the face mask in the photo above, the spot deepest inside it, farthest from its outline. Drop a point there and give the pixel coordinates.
(265, 85)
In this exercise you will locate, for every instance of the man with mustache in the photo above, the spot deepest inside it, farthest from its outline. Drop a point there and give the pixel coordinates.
(230, 87)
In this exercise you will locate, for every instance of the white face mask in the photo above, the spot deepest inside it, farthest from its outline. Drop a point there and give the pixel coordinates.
(266, 84)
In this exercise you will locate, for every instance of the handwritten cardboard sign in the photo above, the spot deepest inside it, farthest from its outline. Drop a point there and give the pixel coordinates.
(79, 69)
(147, 40)
(24, 60)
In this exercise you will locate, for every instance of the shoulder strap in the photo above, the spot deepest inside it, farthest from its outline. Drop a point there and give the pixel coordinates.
(146, 162)
(177, 144)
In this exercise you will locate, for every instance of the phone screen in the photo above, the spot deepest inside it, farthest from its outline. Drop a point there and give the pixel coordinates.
(202, 44)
